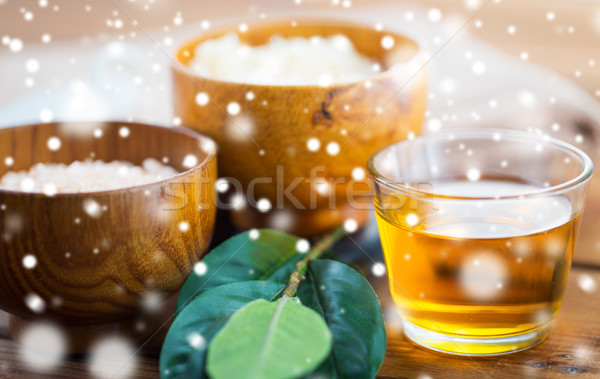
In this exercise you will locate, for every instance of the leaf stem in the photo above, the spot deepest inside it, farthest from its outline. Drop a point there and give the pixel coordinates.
(319, 248)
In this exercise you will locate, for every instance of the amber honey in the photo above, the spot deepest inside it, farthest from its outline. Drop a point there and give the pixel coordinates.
(478, 270)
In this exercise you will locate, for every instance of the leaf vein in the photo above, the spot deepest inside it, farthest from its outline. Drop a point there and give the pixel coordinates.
(268, 341)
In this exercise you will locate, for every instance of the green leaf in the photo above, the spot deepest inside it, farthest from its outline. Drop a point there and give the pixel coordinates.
(265, 340)
(183, 352)
(347, 302)
(270, 256)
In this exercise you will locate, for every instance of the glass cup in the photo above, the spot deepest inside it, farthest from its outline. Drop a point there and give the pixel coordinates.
(478, 229)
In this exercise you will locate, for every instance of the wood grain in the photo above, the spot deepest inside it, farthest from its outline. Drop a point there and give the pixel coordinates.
(99, 269)
(572, 350)
(12, 365)
(268, 138)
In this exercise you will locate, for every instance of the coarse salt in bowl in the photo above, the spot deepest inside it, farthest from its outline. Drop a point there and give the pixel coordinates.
(85, 176)
(314, 60)
(300, 104)
(96, 252)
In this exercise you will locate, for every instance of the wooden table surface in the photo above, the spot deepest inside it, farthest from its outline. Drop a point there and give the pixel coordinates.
(573, 348)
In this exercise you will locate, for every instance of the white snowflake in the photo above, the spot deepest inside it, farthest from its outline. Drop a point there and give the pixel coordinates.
(222, 185)
(29, 261)
(35, 303)
(92, 208)
(378, 269)
(358, 173)
(184, 226)
(388, 42)
(480, 275)
(478, 68)
(350, 225)
(254, 234)
(233, 108)
(151, 301)
(303, 246)
(202, 99)
(190, 161)
(313, 144)
(333, 148)
(263, 205)
(434, 15)
(434, 125)
(196, 340)
(177, 20)
(200, 268)
(124, 132)
(32, 65)
(112, 357)
(42, 346)
(473, 174)
(46, 115)
(411, 219)
(15, 45)
(586, 283)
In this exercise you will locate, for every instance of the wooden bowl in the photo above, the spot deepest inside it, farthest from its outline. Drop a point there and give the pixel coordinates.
(96, 269)
(264, 147)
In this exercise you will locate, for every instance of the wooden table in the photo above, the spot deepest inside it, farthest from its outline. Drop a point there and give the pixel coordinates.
(573, 347)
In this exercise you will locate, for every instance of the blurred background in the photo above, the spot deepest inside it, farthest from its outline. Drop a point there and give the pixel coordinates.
(562, 35)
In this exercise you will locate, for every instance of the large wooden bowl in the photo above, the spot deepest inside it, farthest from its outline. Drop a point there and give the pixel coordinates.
(264, 147)
(98, 269)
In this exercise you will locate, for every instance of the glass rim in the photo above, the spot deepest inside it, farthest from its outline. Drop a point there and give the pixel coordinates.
(583, 176)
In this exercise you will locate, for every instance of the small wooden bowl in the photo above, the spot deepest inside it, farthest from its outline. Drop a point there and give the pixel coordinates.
(277, 121)
(96, 270)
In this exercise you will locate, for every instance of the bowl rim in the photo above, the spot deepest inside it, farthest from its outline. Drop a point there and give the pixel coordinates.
(201, 138)
(224, 28)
